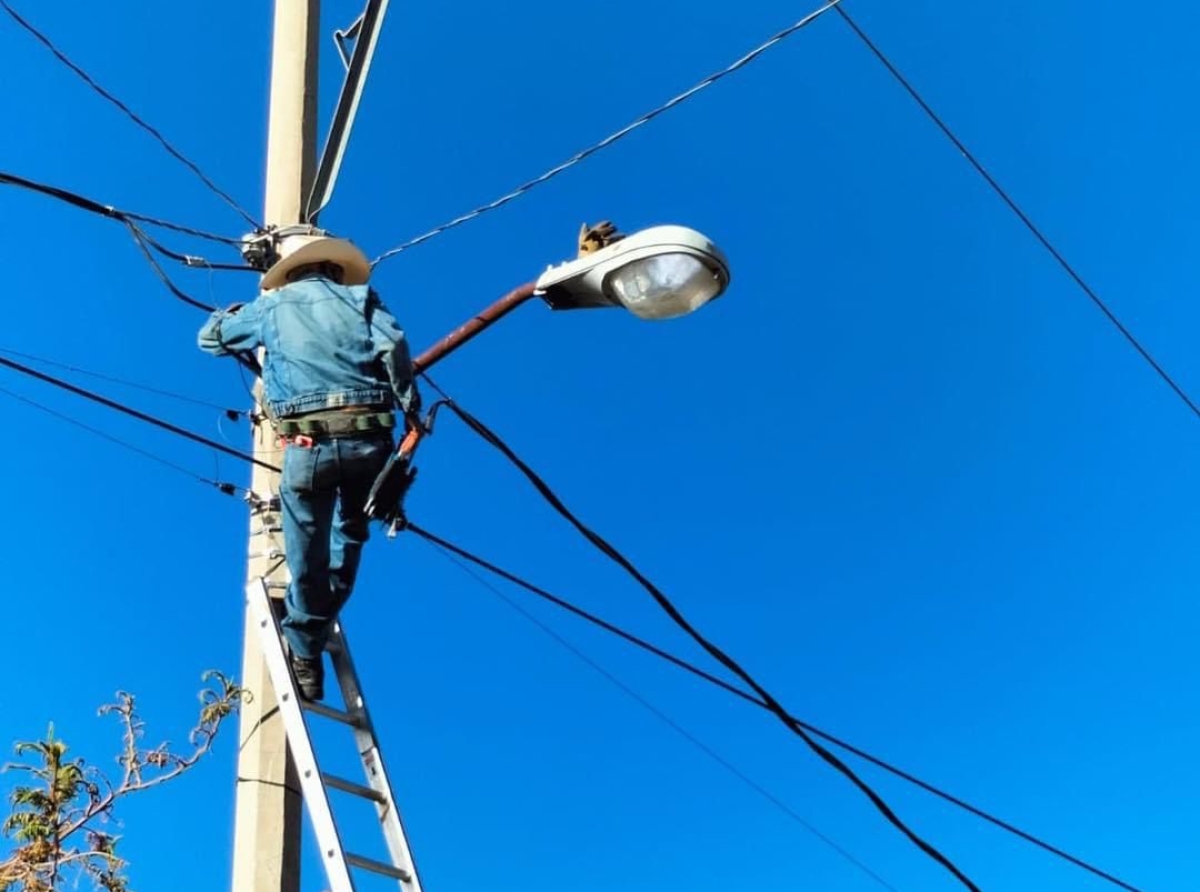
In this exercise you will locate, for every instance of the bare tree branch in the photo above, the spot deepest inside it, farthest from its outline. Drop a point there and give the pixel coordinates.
(64, 798)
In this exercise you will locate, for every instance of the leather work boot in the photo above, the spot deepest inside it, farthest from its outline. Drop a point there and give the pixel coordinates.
(310, 677)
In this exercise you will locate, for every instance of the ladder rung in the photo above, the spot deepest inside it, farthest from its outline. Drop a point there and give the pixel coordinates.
(355, 789)
(378, 867)
(353, 719)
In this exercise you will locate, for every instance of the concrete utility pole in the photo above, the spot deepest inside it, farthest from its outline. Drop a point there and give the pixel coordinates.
(267, 823)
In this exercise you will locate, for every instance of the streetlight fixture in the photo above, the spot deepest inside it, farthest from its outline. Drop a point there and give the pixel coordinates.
(657, 273)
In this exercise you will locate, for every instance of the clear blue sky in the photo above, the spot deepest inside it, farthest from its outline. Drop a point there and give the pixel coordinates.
(904, 470)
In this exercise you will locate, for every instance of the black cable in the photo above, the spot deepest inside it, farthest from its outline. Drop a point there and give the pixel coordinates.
(1021, 215)
(232, 414)
(186, 230)
(582, 614)
(666, 719)
(130, 219)
(95, 207)
(134, 413)
(243, 357)
(193, 261)
(79, 201)
(227, 488)
(175, 153)
(716, 652)
(230, 489)
(143, 242)
(750, 698)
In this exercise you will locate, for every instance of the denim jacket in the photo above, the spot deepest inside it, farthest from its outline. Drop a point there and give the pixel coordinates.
(327, 346)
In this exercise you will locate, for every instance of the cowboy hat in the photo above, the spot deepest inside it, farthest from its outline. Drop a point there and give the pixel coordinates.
(301, 250)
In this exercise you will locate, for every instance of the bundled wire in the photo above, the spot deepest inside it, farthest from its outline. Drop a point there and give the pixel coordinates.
(453, 550)
(687, 735)
(148, 245)
(131, 220)
(716, 652)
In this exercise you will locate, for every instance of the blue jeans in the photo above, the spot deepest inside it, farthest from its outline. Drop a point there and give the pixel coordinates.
(322, 493)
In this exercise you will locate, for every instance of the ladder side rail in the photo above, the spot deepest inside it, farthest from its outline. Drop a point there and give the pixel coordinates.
(372, 760)
(333, 856)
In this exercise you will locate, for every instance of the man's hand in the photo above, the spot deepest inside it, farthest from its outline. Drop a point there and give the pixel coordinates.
(593, 238)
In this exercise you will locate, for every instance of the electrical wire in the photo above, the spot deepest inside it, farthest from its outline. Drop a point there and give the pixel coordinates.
(231, 414)
(162, 140)
(227, 488)
(130, 219)
(134, 413)
(716, 652)
(186, 230)
(72, 198)
(144, 242)
(665, 719)
(244, 358)
(718, 682)
(609, 140)
(451, 548)
(192, 260)
(1021, 215)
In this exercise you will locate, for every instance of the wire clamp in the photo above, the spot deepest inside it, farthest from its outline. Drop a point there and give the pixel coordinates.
(259, 505)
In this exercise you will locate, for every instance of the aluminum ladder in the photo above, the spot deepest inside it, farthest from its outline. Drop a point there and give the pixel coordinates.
(313, 782)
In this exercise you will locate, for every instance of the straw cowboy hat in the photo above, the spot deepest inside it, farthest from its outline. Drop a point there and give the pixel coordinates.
(300, 250)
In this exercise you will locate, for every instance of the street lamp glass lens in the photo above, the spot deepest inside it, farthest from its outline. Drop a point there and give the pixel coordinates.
(664, 286)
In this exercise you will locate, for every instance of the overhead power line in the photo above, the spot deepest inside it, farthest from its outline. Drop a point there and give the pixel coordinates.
(609, 140)
(718, 682)
(713, 650)
(187, 230)
(162, 140)
(244, 358)
(232, 414)
(133, 413)
(146, 244)
(131, 220)
(1021, 215)
(187, 259)
(562, 603)
(91, 205)
(664, 718)
(227, 488)
(230, 489)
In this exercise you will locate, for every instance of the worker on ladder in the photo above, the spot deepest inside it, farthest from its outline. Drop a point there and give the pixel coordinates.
(336, 366)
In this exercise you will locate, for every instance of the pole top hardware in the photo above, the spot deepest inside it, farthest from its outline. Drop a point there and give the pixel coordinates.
(260, 248)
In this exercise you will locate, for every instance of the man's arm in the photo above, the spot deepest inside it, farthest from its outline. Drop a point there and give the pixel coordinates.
(231, 331)
(391, 346)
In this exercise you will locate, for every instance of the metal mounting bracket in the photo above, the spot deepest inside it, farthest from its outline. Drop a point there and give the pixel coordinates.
(342, 37)
(365, 34)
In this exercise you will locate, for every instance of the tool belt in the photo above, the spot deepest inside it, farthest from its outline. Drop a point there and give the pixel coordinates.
(335, 424)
